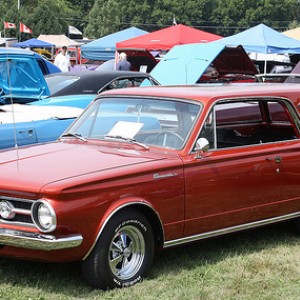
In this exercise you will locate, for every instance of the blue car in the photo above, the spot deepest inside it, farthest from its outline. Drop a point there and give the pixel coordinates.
(46, 66)
(23, 124)
(34, 110)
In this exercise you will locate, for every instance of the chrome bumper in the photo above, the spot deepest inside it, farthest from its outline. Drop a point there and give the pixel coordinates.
(35, 241)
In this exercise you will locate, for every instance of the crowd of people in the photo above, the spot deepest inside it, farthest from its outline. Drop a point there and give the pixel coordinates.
(62, 61)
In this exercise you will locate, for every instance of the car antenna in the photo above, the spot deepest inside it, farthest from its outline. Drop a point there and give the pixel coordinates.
(12, 106)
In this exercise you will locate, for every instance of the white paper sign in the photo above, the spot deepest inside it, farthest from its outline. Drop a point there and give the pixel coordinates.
(125, 129)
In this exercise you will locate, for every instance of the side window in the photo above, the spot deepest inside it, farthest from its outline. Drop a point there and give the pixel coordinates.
(124, 83)
(147, 82)
(278, 113)
(235, 124)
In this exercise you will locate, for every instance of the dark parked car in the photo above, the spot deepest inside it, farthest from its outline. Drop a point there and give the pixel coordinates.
(86, 82)
(149, 168)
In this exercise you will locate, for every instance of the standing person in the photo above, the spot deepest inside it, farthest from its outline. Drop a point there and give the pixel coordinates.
(123, 64)
(62, 60)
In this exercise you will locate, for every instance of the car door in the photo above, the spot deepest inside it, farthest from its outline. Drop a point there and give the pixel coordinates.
(12, 135)
(287, 157)
(238, 180)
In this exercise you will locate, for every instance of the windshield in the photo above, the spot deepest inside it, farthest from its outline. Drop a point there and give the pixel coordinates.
(163, 123)
(57, 83)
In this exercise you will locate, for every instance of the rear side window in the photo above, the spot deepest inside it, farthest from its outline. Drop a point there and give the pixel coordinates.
(278, 113)
(127, 82)
(243, 123)
(242, 112)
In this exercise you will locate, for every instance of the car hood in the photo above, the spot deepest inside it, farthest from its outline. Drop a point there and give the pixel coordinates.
(80, 101)
(21, 76)
(19, 113)
(32, 167)
(185, 64)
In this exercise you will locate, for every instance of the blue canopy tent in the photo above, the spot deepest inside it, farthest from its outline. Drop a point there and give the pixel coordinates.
(185, 64)
(33, 43)
(262, 39)
(105, 47)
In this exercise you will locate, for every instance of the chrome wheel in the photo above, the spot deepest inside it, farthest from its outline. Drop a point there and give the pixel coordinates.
(126, 252)
(123, 253)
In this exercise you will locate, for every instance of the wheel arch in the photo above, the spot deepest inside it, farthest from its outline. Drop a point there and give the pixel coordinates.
(147, 210)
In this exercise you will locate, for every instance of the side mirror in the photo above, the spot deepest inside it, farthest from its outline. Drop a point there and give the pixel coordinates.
(202, 146)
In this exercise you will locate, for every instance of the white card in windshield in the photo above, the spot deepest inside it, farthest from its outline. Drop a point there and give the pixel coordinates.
(125, 129)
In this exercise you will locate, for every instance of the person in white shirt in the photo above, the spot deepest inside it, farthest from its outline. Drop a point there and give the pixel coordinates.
(62, 60)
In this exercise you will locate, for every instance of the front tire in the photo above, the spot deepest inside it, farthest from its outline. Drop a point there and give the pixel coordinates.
(123, 253)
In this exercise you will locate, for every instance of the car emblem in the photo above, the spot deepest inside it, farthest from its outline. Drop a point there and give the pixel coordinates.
(7, 210)
(160, 176)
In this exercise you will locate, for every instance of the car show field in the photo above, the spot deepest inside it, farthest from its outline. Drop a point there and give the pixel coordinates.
(175, 178)
(155, 160)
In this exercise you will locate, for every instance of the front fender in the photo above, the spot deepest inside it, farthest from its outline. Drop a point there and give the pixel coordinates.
(118, 206)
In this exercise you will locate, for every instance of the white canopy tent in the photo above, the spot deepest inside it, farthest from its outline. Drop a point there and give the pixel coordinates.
(58, 40)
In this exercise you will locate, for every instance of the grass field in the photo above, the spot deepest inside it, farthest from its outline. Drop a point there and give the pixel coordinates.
(257, 264)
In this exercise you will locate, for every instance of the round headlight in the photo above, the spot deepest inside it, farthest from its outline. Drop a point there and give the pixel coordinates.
(44, 216)
(7, 210)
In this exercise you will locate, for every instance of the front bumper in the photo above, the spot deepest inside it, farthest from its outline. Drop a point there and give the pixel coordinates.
(35, 241)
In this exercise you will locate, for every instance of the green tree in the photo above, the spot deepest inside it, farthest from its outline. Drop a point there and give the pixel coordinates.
(104, 18)
(188, 12)
(97, 18)
(46, 20)
(138, 13)
(83, 6)
(237, 15)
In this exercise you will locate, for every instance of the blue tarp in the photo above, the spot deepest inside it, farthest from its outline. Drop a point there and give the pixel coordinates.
(105, 47)
(33, 43)
(184, 64)
(262, 39)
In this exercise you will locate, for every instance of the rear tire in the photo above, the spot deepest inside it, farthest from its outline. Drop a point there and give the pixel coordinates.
(123, 253)
(296, 225)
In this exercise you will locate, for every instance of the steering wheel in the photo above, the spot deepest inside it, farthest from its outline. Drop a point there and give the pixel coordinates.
(168, 136)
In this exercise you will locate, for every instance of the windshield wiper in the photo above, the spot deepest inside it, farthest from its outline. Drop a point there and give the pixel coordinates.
(125, 139)
(76, 135)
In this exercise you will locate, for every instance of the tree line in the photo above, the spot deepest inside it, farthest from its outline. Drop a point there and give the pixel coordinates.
(97, 18)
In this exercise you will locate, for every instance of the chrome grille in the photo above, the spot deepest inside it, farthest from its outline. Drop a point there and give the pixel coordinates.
(21, 209)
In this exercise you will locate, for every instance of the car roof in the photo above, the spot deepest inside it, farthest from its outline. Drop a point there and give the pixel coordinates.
(100, 74)
(16, 51)
(92, 81)
(210, 92)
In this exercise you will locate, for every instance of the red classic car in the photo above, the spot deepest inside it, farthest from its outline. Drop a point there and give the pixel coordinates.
(149, 168)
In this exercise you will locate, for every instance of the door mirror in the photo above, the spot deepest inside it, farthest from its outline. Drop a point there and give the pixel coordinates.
(202, 146)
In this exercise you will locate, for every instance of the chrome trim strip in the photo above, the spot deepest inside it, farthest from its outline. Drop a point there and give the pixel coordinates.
(22, 211)
(227, 230)
(16, 199)
(35, 241)
(113, 213)
(17, 223)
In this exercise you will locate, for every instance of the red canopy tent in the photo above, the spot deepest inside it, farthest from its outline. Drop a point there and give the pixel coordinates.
(165, 39)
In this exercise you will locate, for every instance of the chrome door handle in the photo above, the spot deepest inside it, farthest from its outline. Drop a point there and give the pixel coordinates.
(276, 158)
